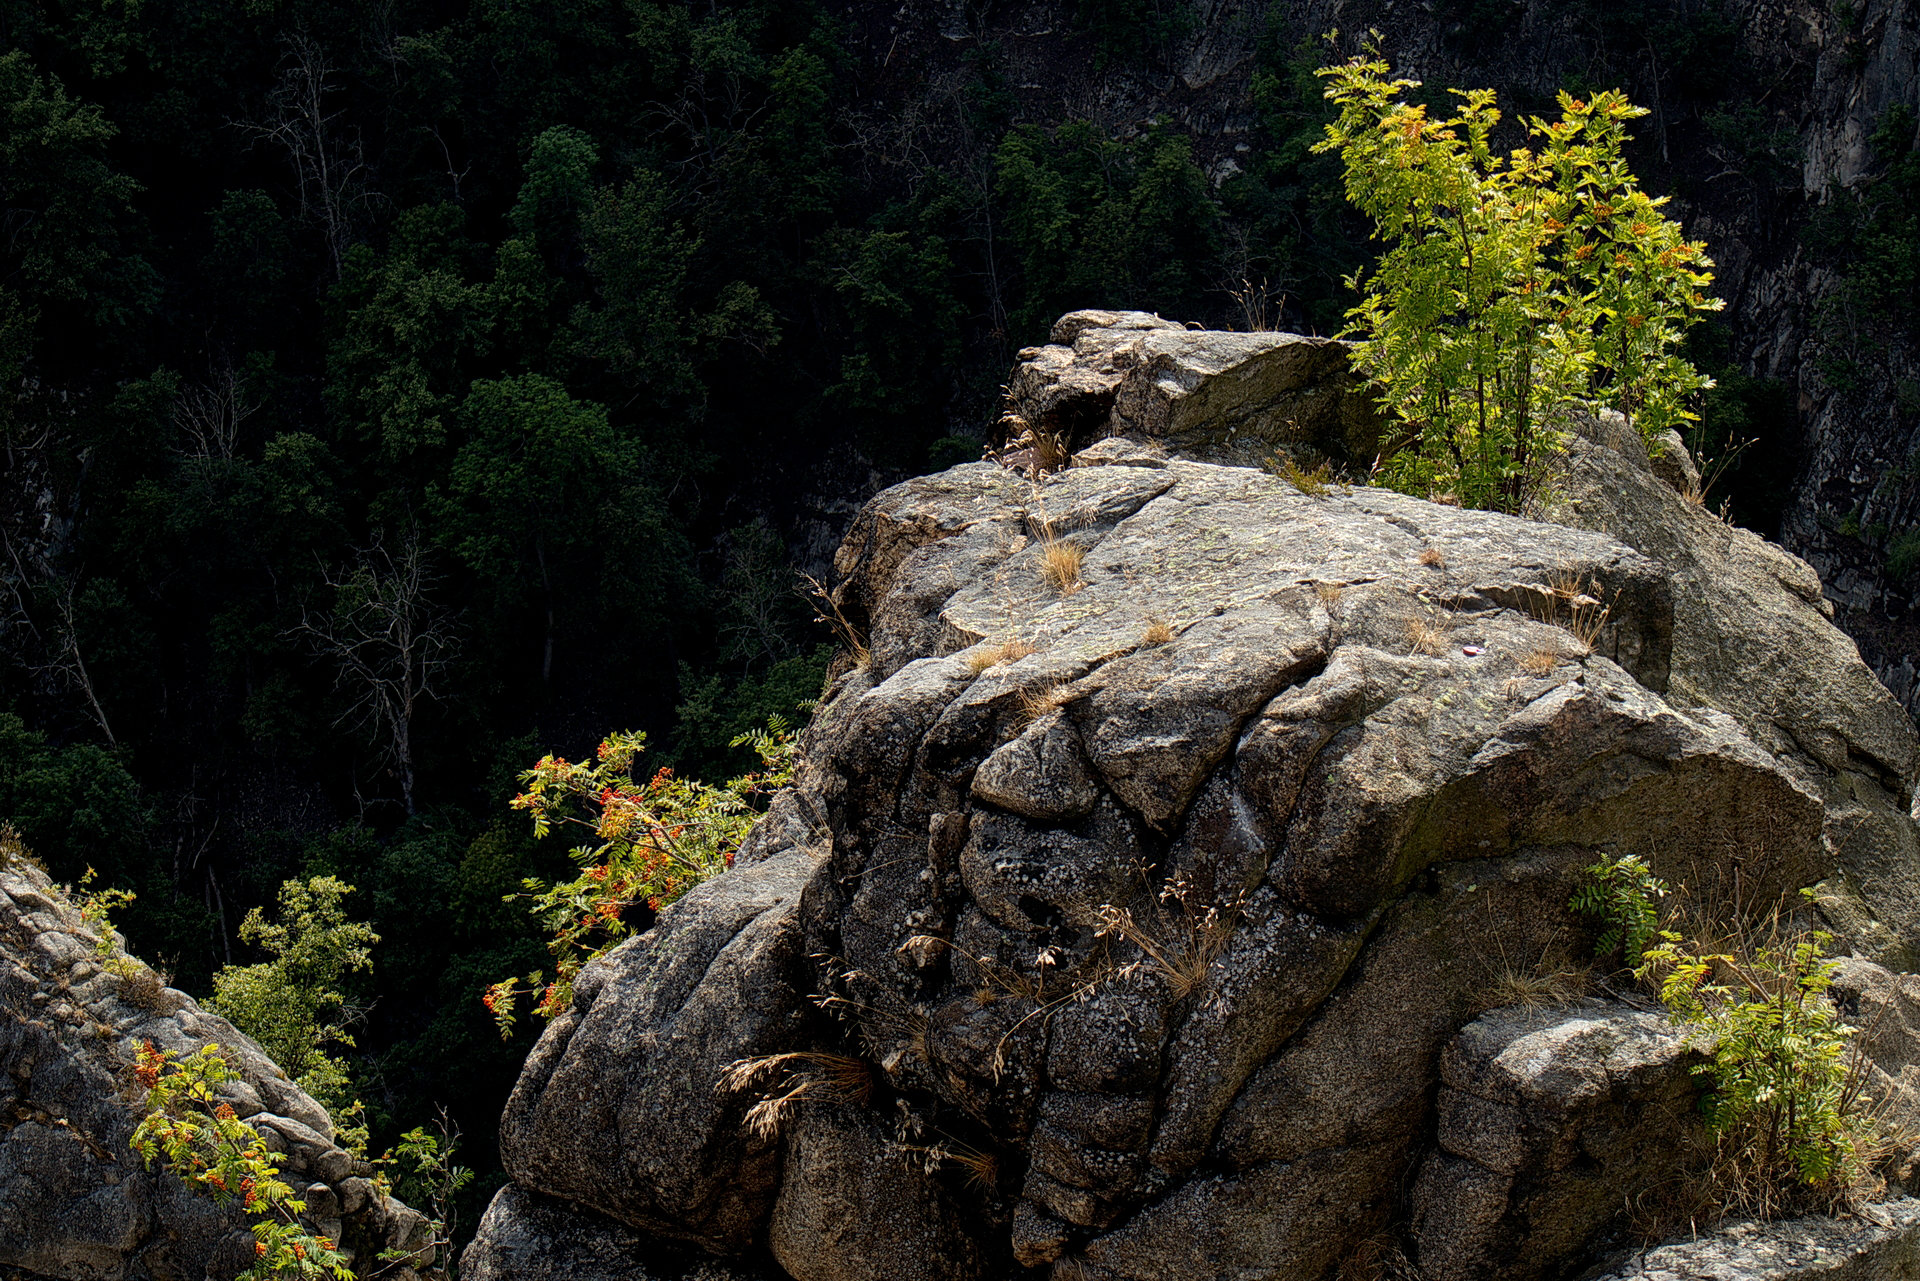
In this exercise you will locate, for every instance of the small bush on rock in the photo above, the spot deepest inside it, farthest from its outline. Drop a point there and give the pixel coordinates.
(188, 1130)
(1794, 1132)
(658, 839)
(1512, 289)
(1623, 893)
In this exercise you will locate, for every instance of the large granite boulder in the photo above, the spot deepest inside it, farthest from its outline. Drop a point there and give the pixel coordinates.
(1178, 820)
(1206, 395)
(1753, 638)
(76, 1204)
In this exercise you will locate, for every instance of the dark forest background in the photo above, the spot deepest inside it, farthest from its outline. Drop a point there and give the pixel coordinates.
(400, 390)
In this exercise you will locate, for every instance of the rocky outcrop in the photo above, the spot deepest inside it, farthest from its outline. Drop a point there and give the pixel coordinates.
(1761, 127)
(1166, 895)
(1142, 900)
(1753, 638)
(619, 1107)
(1550, 1118)
(1216, 397)
(76, 1204)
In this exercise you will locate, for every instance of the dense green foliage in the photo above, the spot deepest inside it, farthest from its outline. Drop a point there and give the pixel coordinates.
(1513, 290)
(407, 390)
(291, 1003)
(1623, 893)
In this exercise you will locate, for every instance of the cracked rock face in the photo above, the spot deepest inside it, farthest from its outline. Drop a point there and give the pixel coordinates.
(76, 1204)
(1548, 1120)
(1206, 395)
(1160, 873)
(1165, 917)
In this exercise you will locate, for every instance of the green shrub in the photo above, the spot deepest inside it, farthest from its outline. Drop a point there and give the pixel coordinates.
(658, 839)
(1622, 893)
(1512, 290)
(292, 1004)
(1783, 1099)
(188, 1130)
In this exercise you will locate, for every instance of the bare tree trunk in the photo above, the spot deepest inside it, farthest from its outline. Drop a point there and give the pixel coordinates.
(328, 167)
(546, 586)
(388, 640)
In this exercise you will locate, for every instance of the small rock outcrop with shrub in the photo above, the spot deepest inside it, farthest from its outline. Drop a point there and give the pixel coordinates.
(142, 1137)
(1240, 904)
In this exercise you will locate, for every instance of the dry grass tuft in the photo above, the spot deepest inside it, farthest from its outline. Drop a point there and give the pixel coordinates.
(980, 658)
(1377, 1258)
(1158, 632)
(1540, 662)
(1329, 593)
(1060, 563)
(1432, 559)
(145, 988)
(1573, 604)
(1426, 637)
(1181, 939)
(1534, 987)
(1069, 1268)
(790, 1078)
(1046, 450)
(826, 609)
(14, 850)
(983, 1168)
(1041, 699)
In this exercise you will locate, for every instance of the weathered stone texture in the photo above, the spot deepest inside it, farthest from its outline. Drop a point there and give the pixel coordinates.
(1216, 397)
(1881, 1244)
(1178, 907)
(76, 1203)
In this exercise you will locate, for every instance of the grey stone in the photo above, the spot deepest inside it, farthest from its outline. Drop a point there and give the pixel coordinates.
(1885, 1008)
(1239, 398)
(1551, 1120)
(1068, 386)
(1122, 451)
(1219, 397)
(854, 1206)
(1673, 464)
(322, 1201)
(1881, 1244)
(76, 1203)
(527, 1237)
(1753, 638)
(1041, 775)
(620, 1107)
